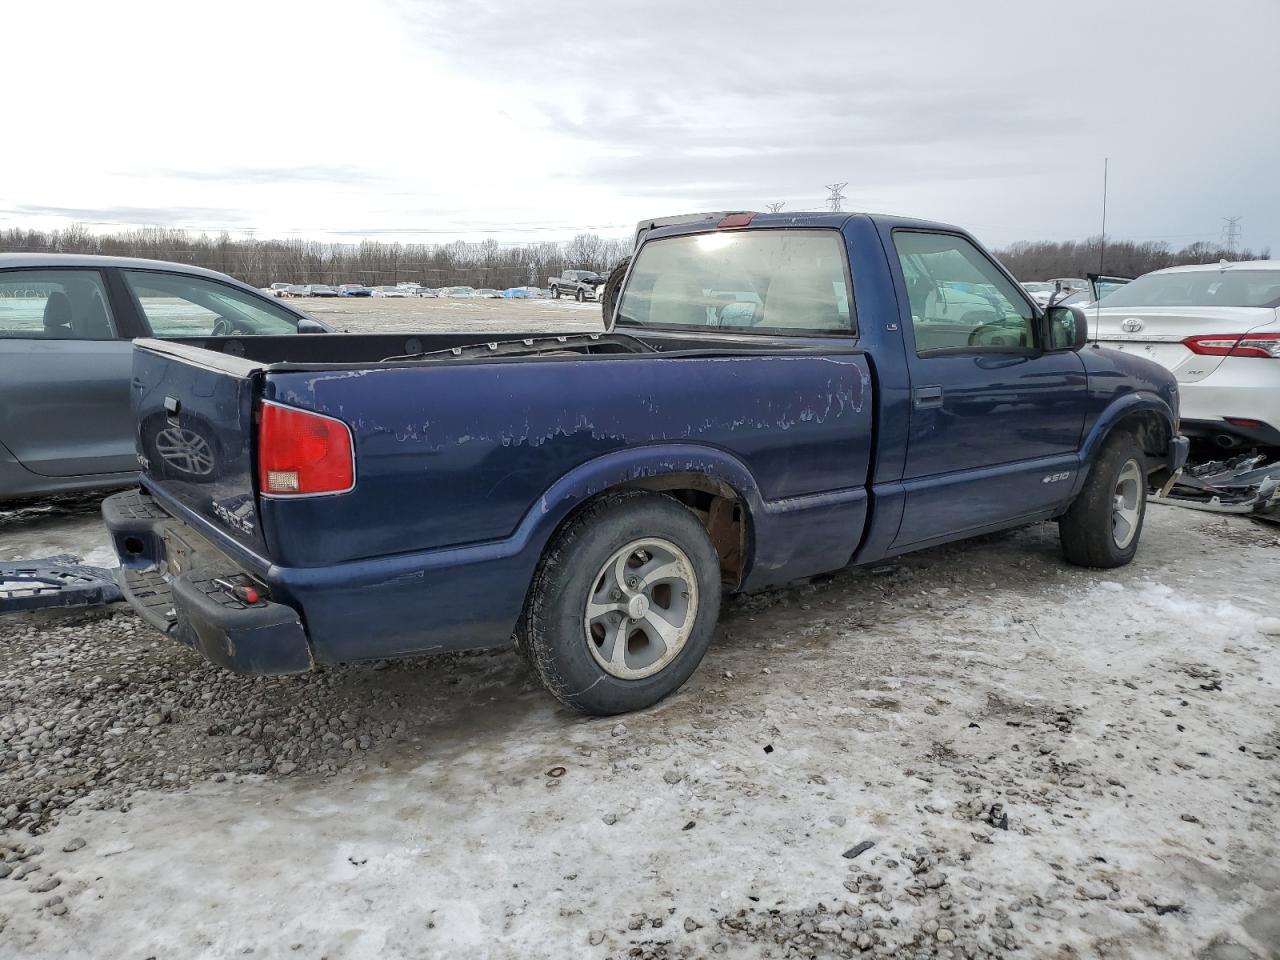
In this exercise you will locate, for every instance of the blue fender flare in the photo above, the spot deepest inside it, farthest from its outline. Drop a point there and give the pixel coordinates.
(1122, 407)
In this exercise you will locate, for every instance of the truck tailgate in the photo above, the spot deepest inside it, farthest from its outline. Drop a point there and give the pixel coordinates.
(194, 412)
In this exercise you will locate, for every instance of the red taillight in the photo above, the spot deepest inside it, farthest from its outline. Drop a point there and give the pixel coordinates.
(303, 453)
(1246, 422)
(1264, 345)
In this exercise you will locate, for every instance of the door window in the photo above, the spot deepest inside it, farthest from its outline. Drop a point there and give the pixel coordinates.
(55, 305)
(959, 301)
(183, 306)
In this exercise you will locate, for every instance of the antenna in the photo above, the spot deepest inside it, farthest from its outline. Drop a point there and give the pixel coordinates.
(833, 201)
(775, 207)
(1231, 233)
(1102, 252)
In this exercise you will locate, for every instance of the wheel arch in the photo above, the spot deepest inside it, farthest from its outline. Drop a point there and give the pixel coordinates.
(1144, 414)
(716, 486)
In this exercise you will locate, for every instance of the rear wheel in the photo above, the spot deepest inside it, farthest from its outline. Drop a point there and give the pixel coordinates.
(555, 293)
(580, 295)
(624, 604)
(1103, 525)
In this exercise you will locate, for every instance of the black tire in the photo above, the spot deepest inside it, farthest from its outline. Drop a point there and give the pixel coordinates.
(580, 295)
(612, 287)
(554, 629)
(555, 293)
(1090, 532)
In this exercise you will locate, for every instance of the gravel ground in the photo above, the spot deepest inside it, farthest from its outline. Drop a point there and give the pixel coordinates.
(976, 751)
(379, 314)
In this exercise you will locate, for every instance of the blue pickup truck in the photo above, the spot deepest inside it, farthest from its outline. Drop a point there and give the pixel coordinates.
(774, 397)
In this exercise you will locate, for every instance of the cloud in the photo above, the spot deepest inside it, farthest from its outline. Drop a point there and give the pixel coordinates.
(195, 217)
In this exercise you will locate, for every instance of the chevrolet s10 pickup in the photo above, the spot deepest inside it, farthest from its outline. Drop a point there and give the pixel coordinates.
(775, 396)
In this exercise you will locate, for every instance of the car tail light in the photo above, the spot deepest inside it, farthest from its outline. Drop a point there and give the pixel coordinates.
(302, 453)
(1264, 345)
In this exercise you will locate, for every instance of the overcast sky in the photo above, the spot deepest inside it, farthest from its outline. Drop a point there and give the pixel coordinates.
(393, 119)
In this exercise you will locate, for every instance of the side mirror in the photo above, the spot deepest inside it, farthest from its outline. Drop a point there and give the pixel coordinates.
(307, 325)
(1068, 328)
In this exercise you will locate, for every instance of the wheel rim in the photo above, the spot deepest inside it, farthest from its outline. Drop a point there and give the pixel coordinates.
(185, 450)
(641, 609)
(1126, 504)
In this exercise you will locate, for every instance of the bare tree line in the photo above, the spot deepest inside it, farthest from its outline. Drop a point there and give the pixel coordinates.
(261, 262)
(491, 264)
(1045, 259)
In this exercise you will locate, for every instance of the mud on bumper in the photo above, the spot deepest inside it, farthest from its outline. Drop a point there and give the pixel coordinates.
(178, 582)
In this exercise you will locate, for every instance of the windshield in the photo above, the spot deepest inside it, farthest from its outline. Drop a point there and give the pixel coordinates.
(1200, 288)
(788, 280)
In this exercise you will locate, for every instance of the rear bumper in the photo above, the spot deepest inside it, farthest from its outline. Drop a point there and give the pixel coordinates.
(177, 581)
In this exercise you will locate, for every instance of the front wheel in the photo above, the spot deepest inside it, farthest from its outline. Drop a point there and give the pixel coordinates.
(1103, 525)
(580, 296)
(623, 605)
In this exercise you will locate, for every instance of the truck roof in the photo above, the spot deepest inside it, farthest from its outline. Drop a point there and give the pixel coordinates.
(700, 222)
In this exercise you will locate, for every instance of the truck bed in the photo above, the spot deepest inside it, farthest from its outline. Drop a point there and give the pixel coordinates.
(468, 453)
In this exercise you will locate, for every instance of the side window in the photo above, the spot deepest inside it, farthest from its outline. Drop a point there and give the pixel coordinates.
(180, 306)
(55, 305)
(772, 281)
(959, 300)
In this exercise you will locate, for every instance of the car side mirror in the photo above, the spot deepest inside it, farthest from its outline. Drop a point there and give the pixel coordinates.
(307, 325)
(1068, 328)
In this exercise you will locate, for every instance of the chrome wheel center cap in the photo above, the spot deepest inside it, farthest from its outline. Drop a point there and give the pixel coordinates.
(638, 606)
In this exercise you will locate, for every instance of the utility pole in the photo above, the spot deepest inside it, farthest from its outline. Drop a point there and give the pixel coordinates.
(833, 201)
(1231, 233)
(775, 207)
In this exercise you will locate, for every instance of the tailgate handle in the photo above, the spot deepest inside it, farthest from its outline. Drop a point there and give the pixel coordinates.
(928, 397)
(172, 407)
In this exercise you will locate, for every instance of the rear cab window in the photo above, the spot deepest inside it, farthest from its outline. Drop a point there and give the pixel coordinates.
(55, 305)
(181, 306)
(767, 281)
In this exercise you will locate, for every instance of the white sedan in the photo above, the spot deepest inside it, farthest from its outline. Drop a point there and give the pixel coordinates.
(1217, 327)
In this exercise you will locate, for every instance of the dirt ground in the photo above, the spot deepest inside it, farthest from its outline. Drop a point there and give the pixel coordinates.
(975, 751)
(1045, 761)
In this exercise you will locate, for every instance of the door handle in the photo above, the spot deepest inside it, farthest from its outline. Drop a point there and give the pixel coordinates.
(927, 398)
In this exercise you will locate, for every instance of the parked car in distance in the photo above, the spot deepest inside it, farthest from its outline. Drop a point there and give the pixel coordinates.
(1040, 290)
(320, 290)
(579, 284)
(739, 426)
(488, 293)
(454, 292)
(279, 289)
(295, 290)
(522, 293)
(66, 326)
(353, 290)
(1217, 327)
(389, 291)
(426, 292)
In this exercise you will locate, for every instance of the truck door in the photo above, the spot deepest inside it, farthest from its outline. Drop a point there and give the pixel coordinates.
(995, 418)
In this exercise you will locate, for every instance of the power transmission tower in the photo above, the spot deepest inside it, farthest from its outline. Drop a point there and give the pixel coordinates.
(833, 201)
(775, 207)
(1231, 232)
